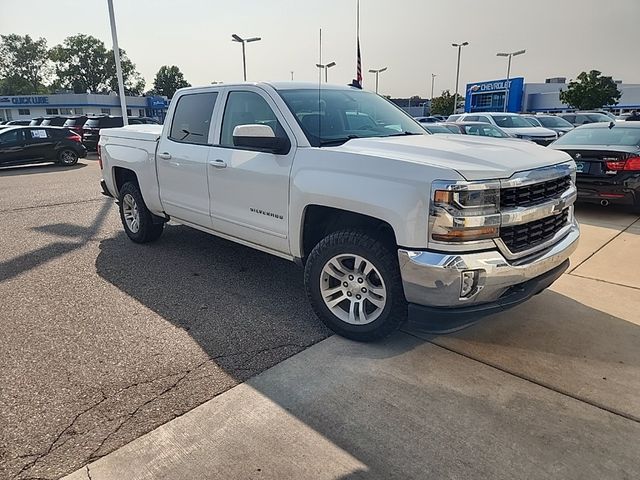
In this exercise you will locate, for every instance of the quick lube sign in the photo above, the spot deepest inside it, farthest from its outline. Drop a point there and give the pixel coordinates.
(26, 100)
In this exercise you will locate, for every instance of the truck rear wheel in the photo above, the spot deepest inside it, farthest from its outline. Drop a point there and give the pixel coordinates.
(136, 218)
(353, 283)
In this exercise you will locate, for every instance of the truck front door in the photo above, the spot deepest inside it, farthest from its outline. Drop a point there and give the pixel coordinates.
(182, 157)
(249, 189)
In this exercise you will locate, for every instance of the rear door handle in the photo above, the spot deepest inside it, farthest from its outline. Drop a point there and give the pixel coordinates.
(218, 163)
(165, 155)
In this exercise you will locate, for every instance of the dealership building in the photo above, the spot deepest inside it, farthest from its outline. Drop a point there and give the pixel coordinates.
(490, 96)
(22, 107)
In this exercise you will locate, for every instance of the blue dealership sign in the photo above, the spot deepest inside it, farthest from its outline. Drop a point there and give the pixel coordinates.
(490, 96)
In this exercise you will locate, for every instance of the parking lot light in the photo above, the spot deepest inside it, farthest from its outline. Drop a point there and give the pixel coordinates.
(239, 39)
(455, 97)
(326, 68)
(509, 55)
(377, 72)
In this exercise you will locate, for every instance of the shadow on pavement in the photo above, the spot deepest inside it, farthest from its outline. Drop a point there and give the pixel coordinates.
(613, 215)
(37, 168)
(222, 293)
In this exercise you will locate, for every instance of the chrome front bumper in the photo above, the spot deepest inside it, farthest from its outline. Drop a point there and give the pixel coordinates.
(433, 279)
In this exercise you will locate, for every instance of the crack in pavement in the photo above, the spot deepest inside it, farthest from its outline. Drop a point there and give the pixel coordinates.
(56, 444)
(47, 205)
(88, 472)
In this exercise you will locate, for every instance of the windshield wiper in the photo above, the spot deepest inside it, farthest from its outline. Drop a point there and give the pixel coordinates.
(333, 142)
(403, 134)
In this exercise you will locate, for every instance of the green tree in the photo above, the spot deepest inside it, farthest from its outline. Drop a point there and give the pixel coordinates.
(24, 65)
(590, 91)
(443, 105)
(82, 63)
(168, 80)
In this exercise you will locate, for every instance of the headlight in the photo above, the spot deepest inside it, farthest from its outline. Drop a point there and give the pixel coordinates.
(465, 211)
(560, 133)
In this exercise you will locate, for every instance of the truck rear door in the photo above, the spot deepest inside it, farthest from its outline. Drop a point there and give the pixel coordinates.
(182, 158)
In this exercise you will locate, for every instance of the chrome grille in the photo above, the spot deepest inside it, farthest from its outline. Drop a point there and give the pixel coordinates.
(528, 195)
(519, 238)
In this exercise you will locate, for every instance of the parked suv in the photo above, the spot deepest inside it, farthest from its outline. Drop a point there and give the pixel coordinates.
(91, 128)
(513, 124)
(55, 121)
(76, 123)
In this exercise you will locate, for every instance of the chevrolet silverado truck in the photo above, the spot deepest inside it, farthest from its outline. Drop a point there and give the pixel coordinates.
(389, 222)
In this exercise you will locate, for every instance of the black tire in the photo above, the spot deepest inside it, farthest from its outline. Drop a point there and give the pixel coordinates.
(385, 260)
(67, 157)
(147, 231)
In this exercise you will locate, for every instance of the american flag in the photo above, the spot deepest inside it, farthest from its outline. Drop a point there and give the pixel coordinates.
(359, 66)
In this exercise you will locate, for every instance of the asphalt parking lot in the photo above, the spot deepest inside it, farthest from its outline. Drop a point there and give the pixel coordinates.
(104, 340)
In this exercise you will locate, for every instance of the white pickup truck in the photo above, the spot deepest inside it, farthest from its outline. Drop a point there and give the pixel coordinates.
(390, 223)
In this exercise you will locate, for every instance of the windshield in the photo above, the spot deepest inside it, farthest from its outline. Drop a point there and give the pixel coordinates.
(554, 122)
(484, 130)
(511, 121)
(625, 136)
(441, 129)
(598, 117)
(332, 117)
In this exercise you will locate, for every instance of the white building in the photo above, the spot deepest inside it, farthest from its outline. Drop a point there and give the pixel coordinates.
(22, 107)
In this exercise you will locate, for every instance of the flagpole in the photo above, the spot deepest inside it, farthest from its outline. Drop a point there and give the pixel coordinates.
(116, 53)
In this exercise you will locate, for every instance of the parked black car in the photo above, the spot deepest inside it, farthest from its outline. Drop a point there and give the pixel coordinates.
(608, 159)
(55, 121)
(20, 145)
(91, 128)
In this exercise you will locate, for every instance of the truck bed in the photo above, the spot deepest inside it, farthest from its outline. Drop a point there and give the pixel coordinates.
(150, 133)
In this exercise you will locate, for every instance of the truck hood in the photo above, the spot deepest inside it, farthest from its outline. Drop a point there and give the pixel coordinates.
(530, 131)
(475, 158)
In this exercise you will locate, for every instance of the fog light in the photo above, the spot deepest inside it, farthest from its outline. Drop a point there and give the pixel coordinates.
(469, 280)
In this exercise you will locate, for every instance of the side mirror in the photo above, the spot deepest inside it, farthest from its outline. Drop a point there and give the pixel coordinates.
(261, 138)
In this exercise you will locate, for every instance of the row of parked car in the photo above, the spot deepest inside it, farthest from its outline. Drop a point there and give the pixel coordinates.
(605, 148)
(88, 127)
(56, 139)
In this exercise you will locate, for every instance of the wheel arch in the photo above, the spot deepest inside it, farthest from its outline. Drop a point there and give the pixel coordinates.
(318, 221)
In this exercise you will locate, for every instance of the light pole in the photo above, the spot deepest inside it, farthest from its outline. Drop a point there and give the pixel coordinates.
(237, 38)
(512, 54)
(377, 72)
(433, 78)
(455, 97)
(116, 54)
(326, 68)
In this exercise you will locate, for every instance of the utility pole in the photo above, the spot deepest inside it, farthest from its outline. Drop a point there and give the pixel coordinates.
(433, 78)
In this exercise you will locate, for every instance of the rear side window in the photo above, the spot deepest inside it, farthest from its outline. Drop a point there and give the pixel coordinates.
(38, 134)
(192, 118)
(92, 123)
(484, 119)
(112, 122)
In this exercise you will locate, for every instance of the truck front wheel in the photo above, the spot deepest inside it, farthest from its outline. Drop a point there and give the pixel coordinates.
(353, 283)
(136, 218)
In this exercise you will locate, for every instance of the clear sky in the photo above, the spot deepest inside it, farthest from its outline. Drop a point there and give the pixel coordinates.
(411, 37)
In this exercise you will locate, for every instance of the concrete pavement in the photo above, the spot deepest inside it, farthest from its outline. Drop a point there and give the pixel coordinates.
(550, 389)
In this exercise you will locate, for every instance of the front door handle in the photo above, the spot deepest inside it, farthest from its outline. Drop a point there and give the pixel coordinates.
(165, 155)
(218, 163)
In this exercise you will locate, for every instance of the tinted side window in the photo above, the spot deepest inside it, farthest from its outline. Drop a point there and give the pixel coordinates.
(569, 118)
(483, 119)
(12, 136)
(471, 118)
(192, 118)
(245, 108)
(36, 134)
